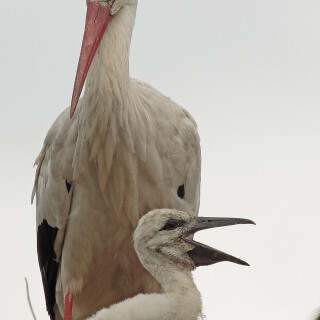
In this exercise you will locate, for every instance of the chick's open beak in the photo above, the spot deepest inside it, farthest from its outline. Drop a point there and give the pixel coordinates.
(203, 255)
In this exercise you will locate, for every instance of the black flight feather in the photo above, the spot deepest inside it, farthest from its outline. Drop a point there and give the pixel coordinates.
(48, 266)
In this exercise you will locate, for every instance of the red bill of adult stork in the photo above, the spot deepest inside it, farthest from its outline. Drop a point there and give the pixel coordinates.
(125, 150)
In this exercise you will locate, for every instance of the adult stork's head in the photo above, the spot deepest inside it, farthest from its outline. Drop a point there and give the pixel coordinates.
(99, 15)
(166, 235)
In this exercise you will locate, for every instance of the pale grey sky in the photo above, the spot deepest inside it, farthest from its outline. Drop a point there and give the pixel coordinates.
(249, 73)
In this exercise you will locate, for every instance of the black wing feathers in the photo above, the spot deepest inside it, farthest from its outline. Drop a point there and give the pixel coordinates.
(48, 266)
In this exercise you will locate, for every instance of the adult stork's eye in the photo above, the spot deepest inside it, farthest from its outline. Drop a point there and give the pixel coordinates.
(173, 224)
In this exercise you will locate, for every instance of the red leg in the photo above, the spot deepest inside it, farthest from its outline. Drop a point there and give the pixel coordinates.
(68, 305)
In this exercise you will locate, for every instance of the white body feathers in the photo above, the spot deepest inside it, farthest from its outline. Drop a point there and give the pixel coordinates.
(182, 303)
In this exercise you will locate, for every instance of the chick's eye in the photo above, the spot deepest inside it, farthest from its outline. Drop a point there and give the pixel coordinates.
(172, 224)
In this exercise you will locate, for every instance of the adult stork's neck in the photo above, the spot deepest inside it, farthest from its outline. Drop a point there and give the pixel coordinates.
(108, 80)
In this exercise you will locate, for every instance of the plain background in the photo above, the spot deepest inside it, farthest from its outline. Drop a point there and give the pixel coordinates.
(249, 73)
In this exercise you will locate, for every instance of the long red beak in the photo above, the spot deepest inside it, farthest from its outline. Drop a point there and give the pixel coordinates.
(98, 18)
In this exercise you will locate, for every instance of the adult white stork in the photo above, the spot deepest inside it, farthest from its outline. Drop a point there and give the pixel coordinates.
(125, 150)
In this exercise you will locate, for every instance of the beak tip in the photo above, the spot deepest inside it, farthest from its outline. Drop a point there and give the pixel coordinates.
(248, 221)
(72, 109)
(243, 263)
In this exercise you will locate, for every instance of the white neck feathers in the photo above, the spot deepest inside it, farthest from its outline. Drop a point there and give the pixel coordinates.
(181, 299)
(103, 110)
(110, 66)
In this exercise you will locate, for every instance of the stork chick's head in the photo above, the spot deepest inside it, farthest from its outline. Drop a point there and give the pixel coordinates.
(166, 234)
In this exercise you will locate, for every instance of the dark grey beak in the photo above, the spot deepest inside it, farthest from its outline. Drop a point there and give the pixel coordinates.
(203, 255)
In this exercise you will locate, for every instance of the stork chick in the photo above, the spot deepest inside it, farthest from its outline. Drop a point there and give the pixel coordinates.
(164, 246)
